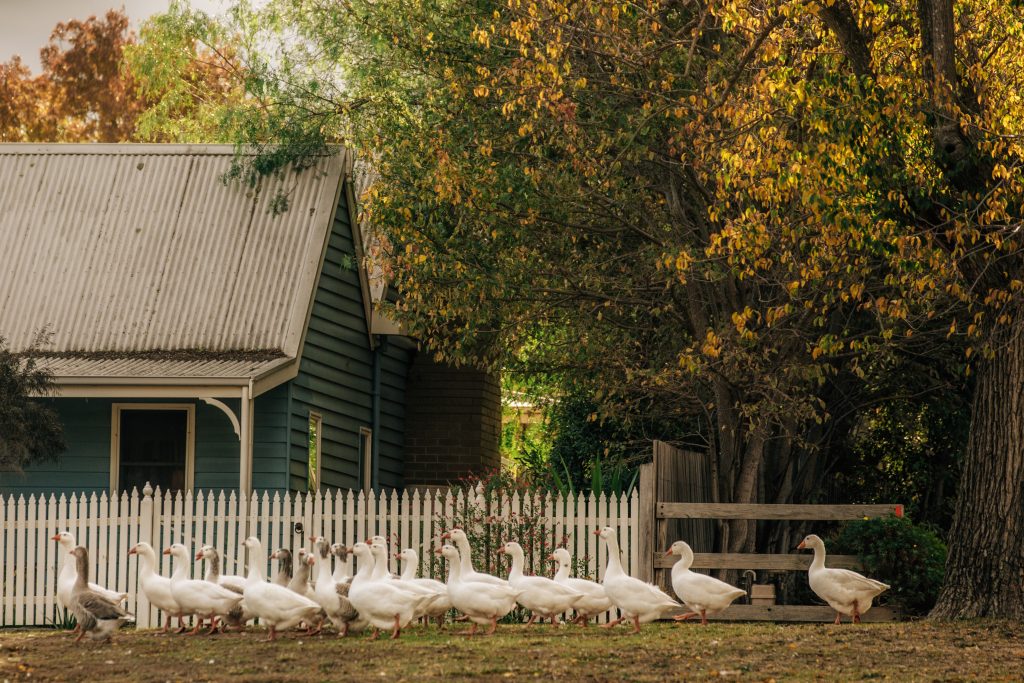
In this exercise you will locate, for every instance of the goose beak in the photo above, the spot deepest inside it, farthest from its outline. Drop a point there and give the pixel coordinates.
(437, 551)
(199, 556)
(167, 551)
(801, 546)
(132, 551)
(310, 560)
(273, 555)
(55, 537)
(314, 539)
(668, 552)
(597, 532)
(446, 535)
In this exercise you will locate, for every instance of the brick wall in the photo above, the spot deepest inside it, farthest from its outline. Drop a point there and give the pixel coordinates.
(452, 422)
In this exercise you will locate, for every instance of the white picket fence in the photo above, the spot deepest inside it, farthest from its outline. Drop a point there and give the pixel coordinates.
(109, 525)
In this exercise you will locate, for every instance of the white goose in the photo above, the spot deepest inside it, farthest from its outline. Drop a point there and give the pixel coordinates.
(68, 573)
(845, 591)
(467, 573)
(275, 605)
(332, 594)
(378, 568)
(439, 607)
(544, 597)
(382, 602)
(595, 601)
(702, 594)
(237, 617)
(194, 596)
(482, 603)
(380, 572)
(636, 599)
(155, 587)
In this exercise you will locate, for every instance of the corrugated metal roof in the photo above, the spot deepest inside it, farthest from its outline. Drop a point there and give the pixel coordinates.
(135, 248)
(82, 369)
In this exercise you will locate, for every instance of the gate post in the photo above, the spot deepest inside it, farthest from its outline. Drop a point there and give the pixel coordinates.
(647, 520)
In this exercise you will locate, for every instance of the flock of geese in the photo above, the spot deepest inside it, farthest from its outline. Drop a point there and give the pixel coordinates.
(374, 598)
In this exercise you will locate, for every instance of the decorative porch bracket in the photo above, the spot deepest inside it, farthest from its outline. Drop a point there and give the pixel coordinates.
(226, 410)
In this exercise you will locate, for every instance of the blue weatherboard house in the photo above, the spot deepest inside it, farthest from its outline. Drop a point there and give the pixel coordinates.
(200, 340)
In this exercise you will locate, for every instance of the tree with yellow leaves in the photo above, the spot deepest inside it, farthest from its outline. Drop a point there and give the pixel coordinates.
(735, 213)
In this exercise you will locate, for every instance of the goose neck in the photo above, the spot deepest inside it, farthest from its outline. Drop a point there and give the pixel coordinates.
(409, 570)
(516, 572)
(366, 567)
(819, 558)
(180, 568)
(454, 572)
(82, 568)
(213, 568)
(685, 558)
(465, 555)
(614, 561)
(257, 559)
(563, 572)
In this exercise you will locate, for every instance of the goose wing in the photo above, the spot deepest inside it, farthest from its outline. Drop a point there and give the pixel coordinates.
(853, 581)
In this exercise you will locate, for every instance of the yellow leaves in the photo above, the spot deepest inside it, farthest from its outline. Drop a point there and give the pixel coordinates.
(481, 91)
(712, 345)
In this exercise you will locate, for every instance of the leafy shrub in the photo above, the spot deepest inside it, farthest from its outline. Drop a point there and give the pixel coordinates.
(909, 557)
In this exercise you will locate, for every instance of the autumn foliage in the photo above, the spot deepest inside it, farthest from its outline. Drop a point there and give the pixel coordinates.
(86, 91)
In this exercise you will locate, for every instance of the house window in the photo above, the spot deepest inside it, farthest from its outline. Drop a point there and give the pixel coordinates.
(366, 456)
(316, 423)
(154, 443)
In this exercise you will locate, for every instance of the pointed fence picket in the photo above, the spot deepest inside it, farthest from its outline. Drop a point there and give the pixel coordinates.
(110, 525)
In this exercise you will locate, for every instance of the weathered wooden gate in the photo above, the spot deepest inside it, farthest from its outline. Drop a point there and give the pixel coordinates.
(675, 505)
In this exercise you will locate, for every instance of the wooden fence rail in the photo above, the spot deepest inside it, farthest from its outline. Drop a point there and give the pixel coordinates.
(110, 525)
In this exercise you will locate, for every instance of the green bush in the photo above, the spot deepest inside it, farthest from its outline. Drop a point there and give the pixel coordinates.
(909, 557)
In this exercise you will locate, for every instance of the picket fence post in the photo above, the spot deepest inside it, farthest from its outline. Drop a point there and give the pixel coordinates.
(143, 616)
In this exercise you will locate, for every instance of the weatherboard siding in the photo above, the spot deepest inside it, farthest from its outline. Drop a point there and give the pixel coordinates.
(85, 465)
(391, 439)
(336, 371)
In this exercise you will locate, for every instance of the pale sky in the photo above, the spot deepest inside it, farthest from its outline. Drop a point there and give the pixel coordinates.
(25, 25)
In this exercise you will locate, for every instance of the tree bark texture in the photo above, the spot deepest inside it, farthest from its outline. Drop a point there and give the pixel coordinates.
(985, 568)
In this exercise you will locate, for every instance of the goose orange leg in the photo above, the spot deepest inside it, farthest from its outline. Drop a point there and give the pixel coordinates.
(533, 618)
(494, 626)
(376, 632)
(837, 622)
(684, 617)
(856, 614)
(636, 624)
(470, 632)
(613, 623)
(397, 630)
(704, 617)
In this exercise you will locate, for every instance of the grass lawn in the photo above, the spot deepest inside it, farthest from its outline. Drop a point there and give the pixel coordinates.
(990, 651)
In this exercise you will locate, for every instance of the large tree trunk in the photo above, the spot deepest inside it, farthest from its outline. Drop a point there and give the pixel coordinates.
(985, 568)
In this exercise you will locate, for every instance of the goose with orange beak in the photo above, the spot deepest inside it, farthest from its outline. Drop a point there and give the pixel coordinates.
(847, 592)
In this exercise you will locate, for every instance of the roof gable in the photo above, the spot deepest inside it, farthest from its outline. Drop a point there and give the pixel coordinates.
(131, 249)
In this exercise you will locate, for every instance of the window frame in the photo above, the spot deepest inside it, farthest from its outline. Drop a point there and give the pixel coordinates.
(366, 458)
(115, 440)
(318, 419)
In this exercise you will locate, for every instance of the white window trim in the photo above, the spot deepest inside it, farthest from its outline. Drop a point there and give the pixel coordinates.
(115, 440)
(319, 420)
(366, 453)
